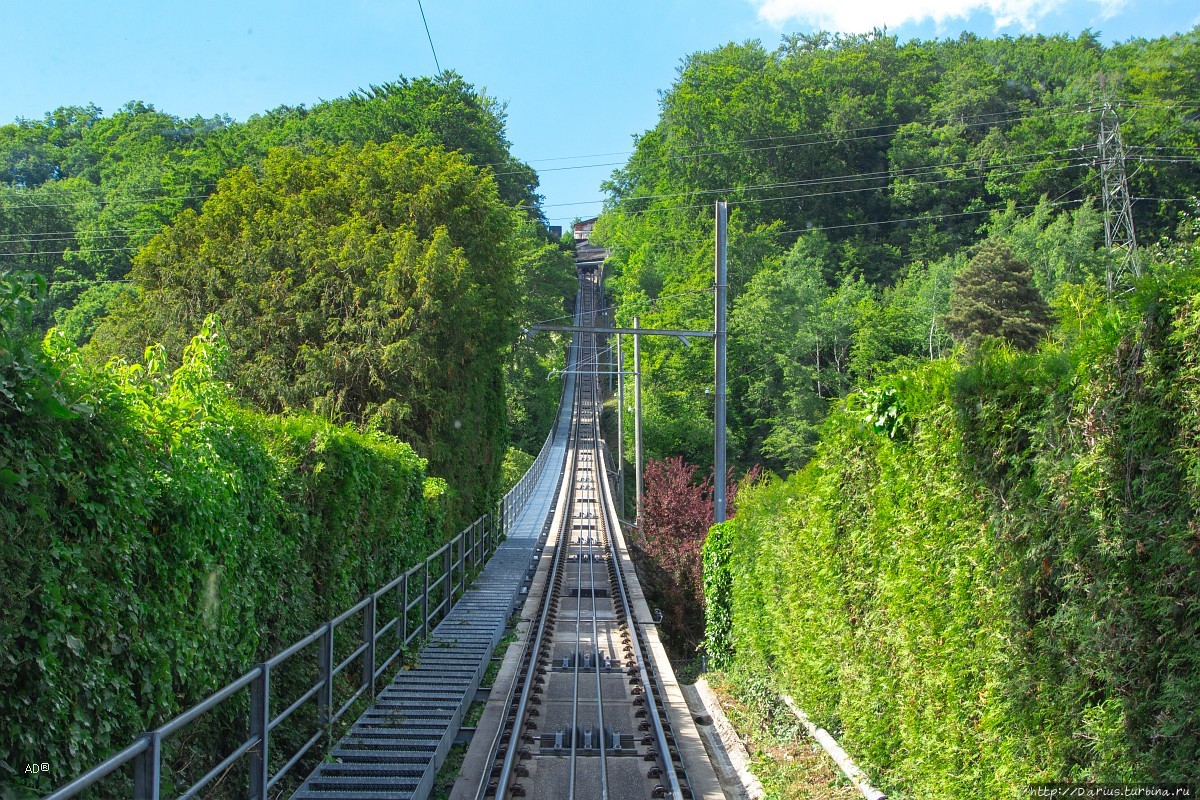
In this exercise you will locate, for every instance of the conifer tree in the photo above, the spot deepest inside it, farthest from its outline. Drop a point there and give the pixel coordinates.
(994, 297)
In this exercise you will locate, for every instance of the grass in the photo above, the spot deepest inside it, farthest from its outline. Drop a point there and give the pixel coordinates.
(788, 763)
(471, 719)
(446, 776)
(493, 667)
(489, 674)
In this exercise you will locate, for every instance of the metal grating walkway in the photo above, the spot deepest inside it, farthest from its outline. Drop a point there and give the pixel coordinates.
(395, 748)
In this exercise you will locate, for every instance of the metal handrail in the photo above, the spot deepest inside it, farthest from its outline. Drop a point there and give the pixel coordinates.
(483, 536)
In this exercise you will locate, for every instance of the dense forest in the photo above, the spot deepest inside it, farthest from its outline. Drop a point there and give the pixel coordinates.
(859, 171)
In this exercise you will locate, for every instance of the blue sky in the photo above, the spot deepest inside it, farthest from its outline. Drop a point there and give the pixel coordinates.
(579, 79)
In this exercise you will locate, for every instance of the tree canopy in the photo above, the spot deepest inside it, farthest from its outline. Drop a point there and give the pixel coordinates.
(373, 284)
(81, 192)
(859, 171)
(84, 196)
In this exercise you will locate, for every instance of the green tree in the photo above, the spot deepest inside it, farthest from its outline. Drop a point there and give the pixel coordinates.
(371, 284)
(994, 297)
(545, 282)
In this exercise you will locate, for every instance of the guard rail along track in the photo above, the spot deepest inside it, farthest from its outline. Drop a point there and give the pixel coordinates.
(584, 717)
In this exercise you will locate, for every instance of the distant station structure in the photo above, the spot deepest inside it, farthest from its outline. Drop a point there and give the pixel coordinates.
(583, 229)
(588, 257)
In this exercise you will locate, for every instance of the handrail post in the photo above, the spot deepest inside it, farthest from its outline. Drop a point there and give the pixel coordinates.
(462, 563)
(451, 583)
(448, 579)
(369, 641)
(425, 604)
(404, 617)
(260, 716)
(458, 559)
(325, 665)
(474, 531)
(147, 770)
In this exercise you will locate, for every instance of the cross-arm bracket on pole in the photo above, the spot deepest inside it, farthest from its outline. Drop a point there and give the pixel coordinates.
(681, 335)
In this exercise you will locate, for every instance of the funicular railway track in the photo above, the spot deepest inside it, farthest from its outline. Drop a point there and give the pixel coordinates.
(584, 716)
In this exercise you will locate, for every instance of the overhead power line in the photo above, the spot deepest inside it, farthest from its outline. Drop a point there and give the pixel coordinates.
(834, 180)
(1031, 160)
(109, 200)
(1070, 164)
(681, 242)
(827, 137)
(1000, 171)
(846, 177)
(921, 218)
(69, 235)
(838, 137)
(429, 37)
(818, 137)
(62, 252)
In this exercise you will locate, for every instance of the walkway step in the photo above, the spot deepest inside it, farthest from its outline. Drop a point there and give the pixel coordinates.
(396, 747)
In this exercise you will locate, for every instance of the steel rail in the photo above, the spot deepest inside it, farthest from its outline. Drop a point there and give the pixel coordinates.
(577, 533)
(643, 671)
(510, 754)
(593, 386)
(595, 627)
(584, 395)
(588, 529)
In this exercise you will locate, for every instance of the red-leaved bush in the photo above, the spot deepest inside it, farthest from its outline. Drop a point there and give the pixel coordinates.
(677, 511)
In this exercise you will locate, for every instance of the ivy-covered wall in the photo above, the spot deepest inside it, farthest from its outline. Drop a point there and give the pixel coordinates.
(160, 540)
(1005, 589)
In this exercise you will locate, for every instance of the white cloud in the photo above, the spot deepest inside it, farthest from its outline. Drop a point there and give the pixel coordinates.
(859, 16)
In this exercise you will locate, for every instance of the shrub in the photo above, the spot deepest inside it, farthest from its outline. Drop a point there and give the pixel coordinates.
(372, 284)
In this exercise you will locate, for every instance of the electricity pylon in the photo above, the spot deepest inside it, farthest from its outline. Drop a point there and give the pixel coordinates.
(1118, 205)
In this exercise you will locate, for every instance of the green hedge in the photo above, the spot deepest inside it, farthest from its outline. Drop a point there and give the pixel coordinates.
(1007, 589)
(159, 540)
